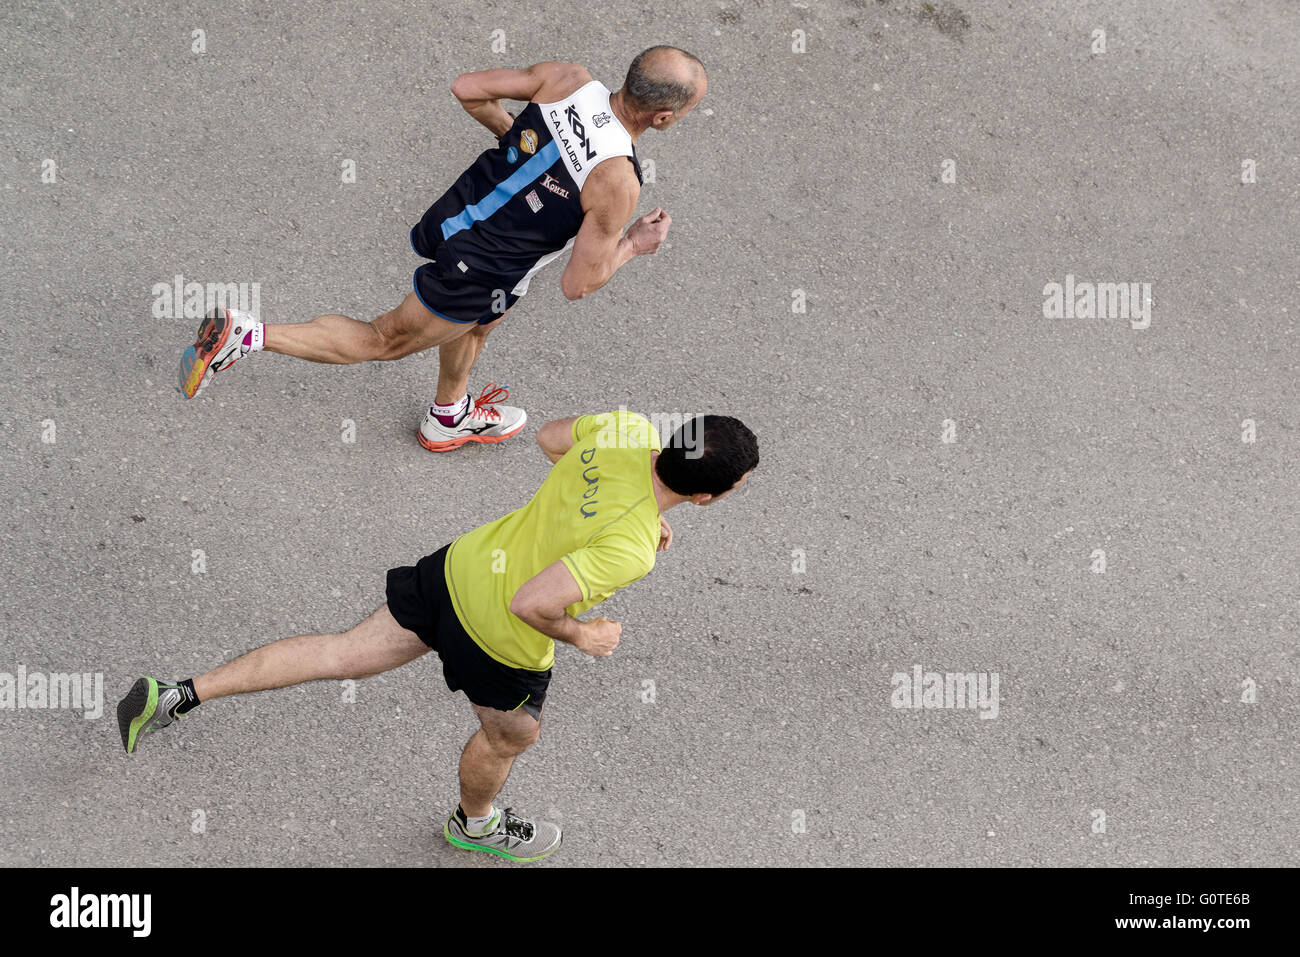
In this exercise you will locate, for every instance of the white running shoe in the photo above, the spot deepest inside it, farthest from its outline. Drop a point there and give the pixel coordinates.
(510, 836)
(483, 421)
(218, 346)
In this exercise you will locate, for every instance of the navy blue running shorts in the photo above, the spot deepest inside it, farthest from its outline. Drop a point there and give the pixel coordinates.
(443, 291)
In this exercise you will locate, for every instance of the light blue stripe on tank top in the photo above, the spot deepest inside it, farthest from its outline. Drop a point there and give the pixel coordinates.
(505, 191)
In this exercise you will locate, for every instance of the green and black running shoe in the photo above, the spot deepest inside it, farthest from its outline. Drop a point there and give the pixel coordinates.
(148, 706)
(508, 836)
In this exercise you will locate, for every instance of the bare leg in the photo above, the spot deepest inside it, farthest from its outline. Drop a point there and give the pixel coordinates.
(377, 644)
(337, 339)
(455, 360)
(486, 761)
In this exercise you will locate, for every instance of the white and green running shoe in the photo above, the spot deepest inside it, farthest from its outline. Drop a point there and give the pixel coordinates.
(148, 706)
(507, 836)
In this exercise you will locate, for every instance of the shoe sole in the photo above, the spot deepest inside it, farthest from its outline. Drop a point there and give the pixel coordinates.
(457, 443)
(456, 842)
(197, 358)
(135, 710)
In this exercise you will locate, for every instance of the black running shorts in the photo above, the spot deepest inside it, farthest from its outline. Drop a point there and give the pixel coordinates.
(418, 599)
(445, 293)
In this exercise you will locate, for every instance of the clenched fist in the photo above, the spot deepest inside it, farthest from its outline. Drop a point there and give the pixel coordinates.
(648, 232)
(600, 637)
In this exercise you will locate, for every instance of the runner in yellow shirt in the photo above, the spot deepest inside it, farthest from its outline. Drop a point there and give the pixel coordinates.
(493, 602)
(596, 513)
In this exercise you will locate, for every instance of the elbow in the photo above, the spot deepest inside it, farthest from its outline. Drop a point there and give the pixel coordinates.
(572, 290)
(554, 439)
(460, 87)
(533, 610)
(520, 607)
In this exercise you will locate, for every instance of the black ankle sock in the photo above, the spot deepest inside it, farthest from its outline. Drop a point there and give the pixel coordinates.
(191, 697)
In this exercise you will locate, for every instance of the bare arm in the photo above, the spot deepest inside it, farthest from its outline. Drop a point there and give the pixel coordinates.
(481, 93)
(541, 602)
(556, 438)
(601, 248)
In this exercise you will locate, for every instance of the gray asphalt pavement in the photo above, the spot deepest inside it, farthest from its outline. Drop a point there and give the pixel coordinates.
(942, 463)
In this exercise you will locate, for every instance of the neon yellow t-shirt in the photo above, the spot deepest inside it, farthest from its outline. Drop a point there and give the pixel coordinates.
(596, 512)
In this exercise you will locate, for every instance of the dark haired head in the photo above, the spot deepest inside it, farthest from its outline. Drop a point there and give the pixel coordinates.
(708, 455)
(662, 78)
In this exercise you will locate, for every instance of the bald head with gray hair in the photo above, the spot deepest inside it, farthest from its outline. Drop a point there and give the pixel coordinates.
(663, 78)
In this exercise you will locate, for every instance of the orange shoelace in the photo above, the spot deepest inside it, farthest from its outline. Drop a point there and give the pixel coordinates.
(491, 394)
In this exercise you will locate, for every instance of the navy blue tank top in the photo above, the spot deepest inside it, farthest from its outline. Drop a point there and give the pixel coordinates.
(518, 206)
